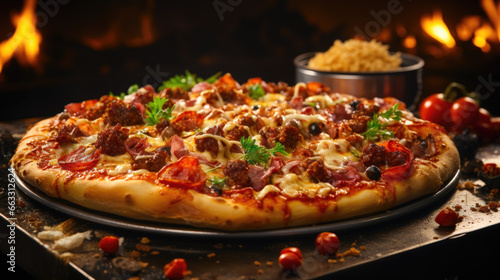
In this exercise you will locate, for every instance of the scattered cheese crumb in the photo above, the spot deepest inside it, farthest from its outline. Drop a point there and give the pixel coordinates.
(145, 240)
(50, 235)
(71, 242)
(256, 263)
(332, 261)
(260, 271)
(211, 255)
(155, 253)
(269, 263)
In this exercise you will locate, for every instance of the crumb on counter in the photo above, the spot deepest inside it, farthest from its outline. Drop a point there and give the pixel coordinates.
(135, 254)
(211, 255)
(352, 252)
(145, 240)
(142, 247)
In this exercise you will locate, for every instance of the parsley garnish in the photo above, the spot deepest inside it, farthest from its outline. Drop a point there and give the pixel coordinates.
(255, 154)
(376, 128)
(131, 89)
(256, 91)
(187, 81)
(155, 111)
(216, 181)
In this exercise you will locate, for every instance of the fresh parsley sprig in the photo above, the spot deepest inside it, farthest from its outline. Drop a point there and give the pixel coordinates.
(187, 81)
(376, 128)
(155, 111)
(256, 91)
(255, 154)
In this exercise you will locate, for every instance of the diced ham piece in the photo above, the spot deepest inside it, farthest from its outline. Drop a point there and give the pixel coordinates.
(177, 147)
(257, 179)
(202, 86)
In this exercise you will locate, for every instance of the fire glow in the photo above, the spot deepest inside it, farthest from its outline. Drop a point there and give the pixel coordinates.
(24, 44)
(437, 29)
(481, 32)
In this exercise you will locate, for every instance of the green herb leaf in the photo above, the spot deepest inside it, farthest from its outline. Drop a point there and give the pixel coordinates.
(256, 91)
(133, 88)
(213, 78)
(255, 154)
(187, 81)
(219, 182)
(155, 112)
(392, 113)
(279, 148)
(377, 129)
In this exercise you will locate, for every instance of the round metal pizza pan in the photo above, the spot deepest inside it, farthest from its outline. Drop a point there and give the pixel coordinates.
(189, 231)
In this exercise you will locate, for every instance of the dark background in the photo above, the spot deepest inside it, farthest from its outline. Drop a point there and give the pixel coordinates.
(90, 48)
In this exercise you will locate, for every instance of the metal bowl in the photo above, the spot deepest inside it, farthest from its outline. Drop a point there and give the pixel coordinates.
(404, 83)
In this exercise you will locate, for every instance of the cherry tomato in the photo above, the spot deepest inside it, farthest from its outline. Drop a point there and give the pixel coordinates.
(436, 109)
(327, 243)
(483, 125)
(176, 269)
(109, 244)
(464, 112)
(447, 217)
(290, 258)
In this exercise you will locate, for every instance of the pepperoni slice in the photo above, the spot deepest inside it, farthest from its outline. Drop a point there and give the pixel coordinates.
(79, 159)
(402, 171)
(184, 173)
(78, 109)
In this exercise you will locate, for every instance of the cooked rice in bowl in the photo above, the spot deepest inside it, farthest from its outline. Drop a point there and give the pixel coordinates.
(356, 56)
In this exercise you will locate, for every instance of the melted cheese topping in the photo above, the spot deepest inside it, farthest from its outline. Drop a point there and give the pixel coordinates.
(294, 185)
(333, 152)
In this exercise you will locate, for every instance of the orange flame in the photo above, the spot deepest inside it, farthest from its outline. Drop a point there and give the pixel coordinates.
(493, 13)
(25, 41)
(437, 29)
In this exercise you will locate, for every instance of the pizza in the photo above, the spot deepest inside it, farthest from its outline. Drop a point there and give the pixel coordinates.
(230, 156)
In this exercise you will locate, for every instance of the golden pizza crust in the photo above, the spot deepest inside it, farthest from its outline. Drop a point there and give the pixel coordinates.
(144, 200)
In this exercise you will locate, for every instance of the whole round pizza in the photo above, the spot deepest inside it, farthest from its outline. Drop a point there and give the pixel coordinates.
(217, 154)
